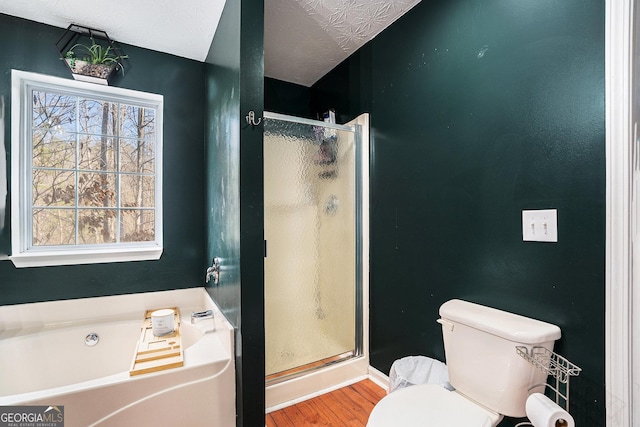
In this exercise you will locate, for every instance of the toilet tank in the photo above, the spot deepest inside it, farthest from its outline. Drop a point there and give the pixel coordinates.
(480, 347)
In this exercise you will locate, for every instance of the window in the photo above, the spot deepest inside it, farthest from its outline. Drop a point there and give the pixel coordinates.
(86, 172)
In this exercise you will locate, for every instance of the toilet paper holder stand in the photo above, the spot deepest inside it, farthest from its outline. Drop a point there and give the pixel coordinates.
(555, 366)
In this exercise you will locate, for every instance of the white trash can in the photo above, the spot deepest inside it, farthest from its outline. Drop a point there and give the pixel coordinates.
(412, 370)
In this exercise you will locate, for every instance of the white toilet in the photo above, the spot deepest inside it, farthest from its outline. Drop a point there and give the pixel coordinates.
(491, 380)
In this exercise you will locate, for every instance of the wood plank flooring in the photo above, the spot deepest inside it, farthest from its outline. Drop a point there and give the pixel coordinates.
(349, 407)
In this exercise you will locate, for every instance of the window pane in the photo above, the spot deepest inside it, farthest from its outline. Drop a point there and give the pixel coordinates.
(54, 111)
(96, 226)
(137, 225)
(97, 117)
(53, 227)
(54, 150)
(137, 191)
(97, 190)
(53, 188)
(137, 122)
(137, 156)
(97, 153)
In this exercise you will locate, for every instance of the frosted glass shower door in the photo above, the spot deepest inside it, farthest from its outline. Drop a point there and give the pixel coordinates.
(311, 236)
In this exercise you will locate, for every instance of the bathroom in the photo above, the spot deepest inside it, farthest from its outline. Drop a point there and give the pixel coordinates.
(478, 111)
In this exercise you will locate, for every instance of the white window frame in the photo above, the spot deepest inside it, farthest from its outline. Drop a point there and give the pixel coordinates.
(23, 254)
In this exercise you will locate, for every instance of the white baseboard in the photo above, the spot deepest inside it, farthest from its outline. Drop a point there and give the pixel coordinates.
(379, 378)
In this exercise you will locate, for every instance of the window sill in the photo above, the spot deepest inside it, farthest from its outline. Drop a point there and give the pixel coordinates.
(75, 257)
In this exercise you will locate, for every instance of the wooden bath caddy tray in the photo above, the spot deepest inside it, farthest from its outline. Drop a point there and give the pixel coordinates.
(157, 353)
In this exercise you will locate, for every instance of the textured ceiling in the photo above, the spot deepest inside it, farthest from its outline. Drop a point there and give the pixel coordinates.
(304, 39)
(183, 28)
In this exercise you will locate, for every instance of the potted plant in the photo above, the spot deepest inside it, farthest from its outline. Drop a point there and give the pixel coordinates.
(90, 54)
(94, 61)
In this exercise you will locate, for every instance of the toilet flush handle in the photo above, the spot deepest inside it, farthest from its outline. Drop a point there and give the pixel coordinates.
(445, 323)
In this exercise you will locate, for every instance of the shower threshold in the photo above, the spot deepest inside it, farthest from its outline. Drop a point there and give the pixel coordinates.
(299, 371)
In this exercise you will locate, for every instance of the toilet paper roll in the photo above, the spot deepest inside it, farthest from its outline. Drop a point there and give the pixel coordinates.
(543, 412)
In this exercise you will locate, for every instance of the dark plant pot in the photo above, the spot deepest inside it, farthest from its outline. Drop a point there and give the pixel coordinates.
(94, 73)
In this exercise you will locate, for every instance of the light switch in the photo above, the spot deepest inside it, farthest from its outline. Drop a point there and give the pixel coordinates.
(540, 225)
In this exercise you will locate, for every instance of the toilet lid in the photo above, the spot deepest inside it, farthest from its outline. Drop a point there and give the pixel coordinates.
(429, 405)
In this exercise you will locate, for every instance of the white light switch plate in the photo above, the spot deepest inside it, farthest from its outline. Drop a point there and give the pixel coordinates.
(540, 225)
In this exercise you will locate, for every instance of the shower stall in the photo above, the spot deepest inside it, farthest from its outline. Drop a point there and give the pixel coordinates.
(314, 244)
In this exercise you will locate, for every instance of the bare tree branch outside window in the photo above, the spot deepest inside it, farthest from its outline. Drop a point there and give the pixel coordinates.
(93, 171)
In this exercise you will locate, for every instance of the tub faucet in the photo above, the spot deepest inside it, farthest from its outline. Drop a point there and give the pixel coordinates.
(201, 315)
(213, 272)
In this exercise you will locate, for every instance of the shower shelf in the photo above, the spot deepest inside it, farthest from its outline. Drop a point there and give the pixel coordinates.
(554, 365)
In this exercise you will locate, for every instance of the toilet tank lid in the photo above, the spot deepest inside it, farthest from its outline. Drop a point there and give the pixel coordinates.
(510, 326)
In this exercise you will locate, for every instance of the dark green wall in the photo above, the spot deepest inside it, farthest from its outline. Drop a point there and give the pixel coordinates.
(234, 198)
(29, 46)
(491, 108)
(478, 111)
(222, 150)
(287, 98)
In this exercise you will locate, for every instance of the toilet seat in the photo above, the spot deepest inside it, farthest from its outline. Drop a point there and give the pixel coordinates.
(430, 405)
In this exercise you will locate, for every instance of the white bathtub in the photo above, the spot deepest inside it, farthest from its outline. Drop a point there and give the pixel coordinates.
(44, 361)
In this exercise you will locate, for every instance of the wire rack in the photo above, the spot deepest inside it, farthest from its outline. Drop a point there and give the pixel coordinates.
(553, 365)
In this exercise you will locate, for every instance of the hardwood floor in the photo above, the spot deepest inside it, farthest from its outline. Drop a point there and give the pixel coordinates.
(349, 406)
